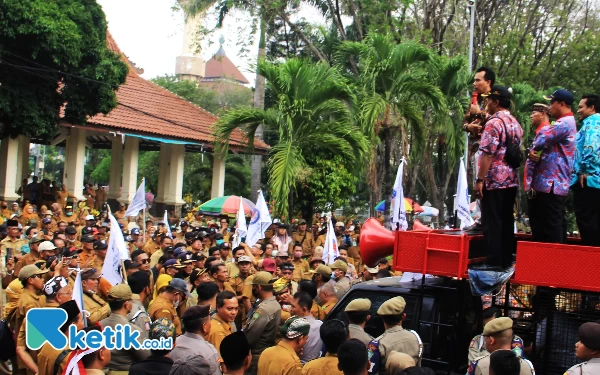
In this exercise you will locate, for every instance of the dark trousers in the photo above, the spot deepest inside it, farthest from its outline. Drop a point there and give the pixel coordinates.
(547, 217)
(586, 202)
(498, 225)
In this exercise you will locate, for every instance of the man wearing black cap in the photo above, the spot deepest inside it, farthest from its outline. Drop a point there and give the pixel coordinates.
(587, 349)
(88, 255)
(11, 245)
(180, 236)
(497, 181)
(304, 238)
(196, 320)
(549, 166)
(71, 233)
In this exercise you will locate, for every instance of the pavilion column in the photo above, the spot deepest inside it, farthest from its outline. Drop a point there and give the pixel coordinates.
(175, 177)
(75, 162)
(218, 177)
(162, 191)
(22, 159)
(130, 169)
(114, 182)
(8, 169)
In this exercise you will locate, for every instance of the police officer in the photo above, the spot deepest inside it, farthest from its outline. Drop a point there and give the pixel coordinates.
(357, 312)
(92, 303)
(498, 335)
(263, 321)
(587, 349)
(342, 283)
(139, 282)
(283, 359)
(395, 337)
(477, 347)
(121, 304)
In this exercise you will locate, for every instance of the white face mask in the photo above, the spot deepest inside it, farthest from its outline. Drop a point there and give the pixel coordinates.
(176, 303)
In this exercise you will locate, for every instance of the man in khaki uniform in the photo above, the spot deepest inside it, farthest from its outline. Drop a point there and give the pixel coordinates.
(283, 359)
(32, 279)
(328, 299)
(395, 337)
(88, 255)
(121, 304)
(477, 347)
(139, 282)
(221, 324)
(300, 265)
(238, 283)
(342, 283)
(166, 303)
(358, 314)
(33, 255)
(498, 334)
(587, 349)
(261, 328)
(92, 303)
(11, 245)
(304, 238)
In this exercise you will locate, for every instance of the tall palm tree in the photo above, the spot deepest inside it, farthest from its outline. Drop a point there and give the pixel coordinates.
(311, 112)
(395, 88)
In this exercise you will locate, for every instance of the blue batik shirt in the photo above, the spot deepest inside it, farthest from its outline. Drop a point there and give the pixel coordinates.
(587, 152)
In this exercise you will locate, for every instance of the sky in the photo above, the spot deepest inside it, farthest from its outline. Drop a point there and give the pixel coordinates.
(150, 33)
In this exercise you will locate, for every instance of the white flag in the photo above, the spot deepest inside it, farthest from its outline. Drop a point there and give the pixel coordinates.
(78, 291)
(259, 222)
(398, 216)
(139, 200)
(117, 251)
(166, 220)
(240, 226)
(330, 250)
(462, 197)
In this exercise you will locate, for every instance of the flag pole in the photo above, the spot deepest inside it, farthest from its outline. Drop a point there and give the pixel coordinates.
(144, 226)
(78, 270)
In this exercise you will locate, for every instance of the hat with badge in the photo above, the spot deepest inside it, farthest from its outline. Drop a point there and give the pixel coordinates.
(589, 335)
(196, 273)
(53, 285)
(185, 258)
(323, 270)
(29, 271)
(184, 224)
(100, 245)
(561, 95)
(497, 325)
(295, 326)
(135, 231)
(393, 306)
(339, 265)
(170, 263)
(197, 257)
(46, 220)
(87, 238)
(90, 273)
(262, 278)
(120, 292)
(358, 304)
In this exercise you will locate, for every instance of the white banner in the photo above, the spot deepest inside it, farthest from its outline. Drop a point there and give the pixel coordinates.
(166, 220)
(330, 250)
(259, 222)
(78, 291)
(117, 251)
(139, 200)
(462, 197)
(398, 209)
(240, 226)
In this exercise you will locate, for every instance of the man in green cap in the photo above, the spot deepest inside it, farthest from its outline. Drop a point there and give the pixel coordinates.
(358, 314)
(395, 337)
(32, 256)
(342, 283)
(498, 335)
(321, 276)
(263, 322)
(283, 359)
(120, 300)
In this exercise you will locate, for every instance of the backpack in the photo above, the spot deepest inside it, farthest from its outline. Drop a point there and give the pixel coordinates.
(513, 155)
(7, 342)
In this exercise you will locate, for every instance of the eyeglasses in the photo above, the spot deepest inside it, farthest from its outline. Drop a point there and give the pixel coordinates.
(36, 276)
(144, 261)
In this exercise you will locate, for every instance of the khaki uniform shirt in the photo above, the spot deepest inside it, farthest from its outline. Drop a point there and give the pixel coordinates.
(300, 267)
(15, 247)
(232, 267)
(327, 365)
(139, 317)
(401, 340)
(307, 241)
(261, 329)
(122, 359)
(357, 332)
(590, 367)
(477, 347)
(28, 300)
(279, 360)
(326, 308)
(96, 306)
(155, 257)
(27, 260)
(47, 357)
(342, 287)
(163, 308)
(219, 329)
(481, 366)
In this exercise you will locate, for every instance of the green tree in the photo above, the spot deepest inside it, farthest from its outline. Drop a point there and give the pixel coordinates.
(54, 52)
(311, 113)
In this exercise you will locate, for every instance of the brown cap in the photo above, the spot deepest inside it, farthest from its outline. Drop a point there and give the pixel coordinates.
(339, 265)
(393, 306)
(262, 278)
(30, 270)
(359, 304)
(589, 335)
(497, 325)
(398, 361)
(120, 292)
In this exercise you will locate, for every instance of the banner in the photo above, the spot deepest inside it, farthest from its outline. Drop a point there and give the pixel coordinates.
(398, 215)
(166, 220)
(259, 222)
(139, 200)
(240, 226)
(116, 252)
(462, 197)
(330, 250)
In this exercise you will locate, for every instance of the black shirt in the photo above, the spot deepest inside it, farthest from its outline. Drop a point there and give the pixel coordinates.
(153, 365)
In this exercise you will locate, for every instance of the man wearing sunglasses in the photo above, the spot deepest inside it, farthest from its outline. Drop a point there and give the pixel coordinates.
(92, 303)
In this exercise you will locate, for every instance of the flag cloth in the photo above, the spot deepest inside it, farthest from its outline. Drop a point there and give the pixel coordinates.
(166, 220)
(240, 226)
(462, 197)
(330, 250)
(139, 200)
(398, 216)
(116, 252)
(259, 222)
(78, 291)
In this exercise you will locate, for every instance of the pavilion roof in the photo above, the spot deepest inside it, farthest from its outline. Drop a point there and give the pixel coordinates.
(219, 66)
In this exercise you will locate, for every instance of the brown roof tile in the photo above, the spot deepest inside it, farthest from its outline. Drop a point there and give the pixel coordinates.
(219, 66)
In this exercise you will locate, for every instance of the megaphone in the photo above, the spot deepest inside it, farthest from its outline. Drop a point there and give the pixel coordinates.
(418, 226)
(376, 242)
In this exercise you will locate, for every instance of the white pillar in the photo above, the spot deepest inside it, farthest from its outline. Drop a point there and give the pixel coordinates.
(8, 169)
(218, 177)
(175, 176)
(22, 159)
(130, 169)
(162, 191)
(116, 156)
(75, 162)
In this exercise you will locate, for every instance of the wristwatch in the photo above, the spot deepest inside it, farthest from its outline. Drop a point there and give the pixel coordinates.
(478, 180)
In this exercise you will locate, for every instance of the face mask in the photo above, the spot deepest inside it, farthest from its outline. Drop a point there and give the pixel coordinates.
(69, 240)
(220, 242)
(176, 304)
(4, 206)
(69, 214)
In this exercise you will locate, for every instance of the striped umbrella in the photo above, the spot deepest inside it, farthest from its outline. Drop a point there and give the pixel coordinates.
(226, 205)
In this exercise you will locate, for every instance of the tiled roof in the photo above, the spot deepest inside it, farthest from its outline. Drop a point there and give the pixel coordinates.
(219, 66)
(146, 108)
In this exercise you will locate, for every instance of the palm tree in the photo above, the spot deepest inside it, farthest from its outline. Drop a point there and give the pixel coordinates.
(311, 112)
(395, 88)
